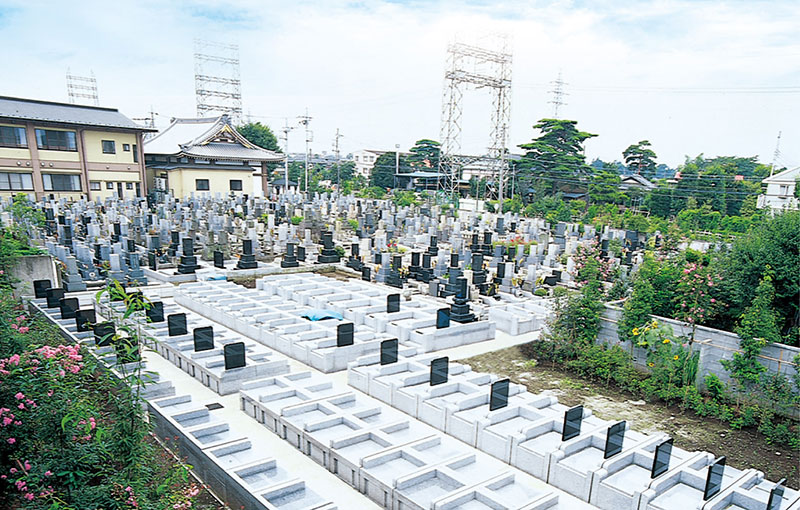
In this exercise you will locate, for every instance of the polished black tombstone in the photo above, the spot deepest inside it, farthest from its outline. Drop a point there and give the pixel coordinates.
(572, 423)
(203, 338)
(103, 333)
(389, 351)
(439, 370)
(433, 247)
(776, 495)
(248, 258)
(354, 262)
(289, 259)
(344, 334)
(54, 296)
(176, 324)
(155, 313)
(394, 279)
(442, 318)
(188, 262)
(661, 458)
(614, 439)
(68, 307)
(498, 398)
(366, 274)
(460, 309)
(501, 270)
(219, 259)
(714, 479)
(152, 261)
(40, 288)
(392, 303)
(328, 255)
(453, 260)
(414, 268)
(234, 355)
(426, 273)
(301, 253)
(84, 319)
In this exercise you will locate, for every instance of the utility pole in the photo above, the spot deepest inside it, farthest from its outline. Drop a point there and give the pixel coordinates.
(396, 163)
(286, 129)
(338, 170)
(304, 120)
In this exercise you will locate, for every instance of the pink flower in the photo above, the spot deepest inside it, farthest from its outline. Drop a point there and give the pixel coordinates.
(29, 496)
(24, 329)
(12, 470)
(713, 300)
(14, 326)
(48, 473)
(27, 466)
(21, 406)
(19, 396)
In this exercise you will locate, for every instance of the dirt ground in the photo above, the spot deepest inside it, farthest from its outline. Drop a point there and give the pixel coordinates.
(743, 448)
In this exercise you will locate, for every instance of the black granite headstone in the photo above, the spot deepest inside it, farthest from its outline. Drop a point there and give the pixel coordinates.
(69, 307)
(614, 439)
(54, 296)
(234, 355)
(156, 311)
(152, 261)
(776, 495)
(84, 320)
(454, 260)
(40, 288)
(344, 334)
(103, 333)
(442, 318)
(392, 303)
(714, 479)
(176, 324)
(389, 351)
(661, 458)
(498, 398)
(366, 273)
(572, 423)
(439, 370)
(203, 338)
(219, 260)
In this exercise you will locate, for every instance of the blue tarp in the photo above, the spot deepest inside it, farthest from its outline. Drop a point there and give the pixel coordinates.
(318, 314)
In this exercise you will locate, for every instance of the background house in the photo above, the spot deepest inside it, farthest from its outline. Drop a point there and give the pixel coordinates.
(780, 193)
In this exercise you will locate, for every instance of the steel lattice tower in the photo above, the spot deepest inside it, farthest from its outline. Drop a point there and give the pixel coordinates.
(83, 87)
(218, 88)
(481, 68)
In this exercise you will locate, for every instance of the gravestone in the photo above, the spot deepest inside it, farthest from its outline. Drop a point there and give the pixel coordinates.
(248, 258)
(572, 423)
(103, 333)
(234, 355)
(68, 307)
(203, 338)
(498, 398)
(393, 303)
(290, 260)
(219, 259)
(714, 479)
(344, 334)
(439, 371)
(54, 296)
(389, 351)
(127, 350)
(176, 324)
(84, 320)
(366, 273)
(776, 495)
(329, 255)
(40, 288)
(615, 437)
(661, 458)
(460, 309)
(442, 318)
(188, 262)
(155, 313)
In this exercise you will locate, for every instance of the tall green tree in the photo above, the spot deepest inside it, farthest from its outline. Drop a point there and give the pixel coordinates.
(555, 158)
(640, 159)
(259, 134)
(383, 172)
(604, 186)
(425, 154)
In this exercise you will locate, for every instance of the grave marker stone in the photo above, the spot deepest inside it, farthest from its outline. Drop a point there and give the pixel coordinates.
(776, 495)
(442, 318)
(498, 398)
(392, 303)
(234, 355)
(156, 312)
(103, 332)
(366, 273)
(176, 324)
(84, 320)
(68, 307)
(661, 458)
(344, 334)
(40, 288)
(219, 260)
(714, 479)
(203, 338)
(439, 371)
(389, 351)
(572, 423)
(53, 296)
(614, 439)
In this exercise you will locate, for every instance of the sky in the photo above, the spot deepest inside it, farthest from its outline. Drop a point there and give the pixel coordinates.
(691, 76)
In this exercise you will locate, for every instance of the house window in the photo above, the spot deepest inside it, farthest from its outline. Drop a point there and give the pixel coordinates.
(94, 185)
(12, 137)
(356, 158)
(236, 185)
(135, 154)
(126, 147)
(109, 185)
(128, 185)
(11, 181)
(61, 182)
(48, 139)
(109, 147)
(784, 190)
(201, 184)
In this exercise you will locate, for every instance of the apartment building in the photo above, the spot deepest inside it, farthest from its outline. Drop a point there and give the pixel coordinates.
(69, 150)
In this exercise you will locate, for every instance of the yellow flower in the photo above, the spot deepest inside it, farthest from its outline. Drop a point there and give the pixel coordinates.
(666, 340)
(654, 323)
(650, 364)
(675, 357)
(635, 331)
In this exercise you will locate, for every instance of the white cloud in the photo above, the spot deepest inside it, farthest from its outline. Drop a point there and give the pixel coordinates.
(636, 70)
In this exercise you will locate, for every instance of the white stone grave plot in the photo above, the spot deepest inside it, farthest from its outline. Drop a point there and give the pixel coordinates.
(231, 463)
(757, 493)
(521, 316)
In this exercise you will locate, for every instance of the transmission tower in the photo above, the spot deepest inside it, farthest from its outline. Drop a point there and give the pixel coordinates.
(776, 155)
(217, 86)
(558, 95)
(469, 65)
(82, 87)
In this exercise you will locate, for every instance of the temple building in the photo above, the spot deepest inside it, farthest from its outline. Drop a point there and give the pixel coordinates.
(206, 155)
(69, 151)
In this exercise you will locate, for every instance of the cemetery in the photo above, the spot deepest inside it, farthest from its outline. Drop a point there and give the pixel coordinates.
(332, 378)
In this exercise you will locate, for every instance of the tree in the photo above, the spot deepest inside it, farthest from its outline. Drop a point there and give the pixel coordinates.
(604, 186)
(259, 134)
(425, 154)
(641, 159)
(383, 172)
(556, 156)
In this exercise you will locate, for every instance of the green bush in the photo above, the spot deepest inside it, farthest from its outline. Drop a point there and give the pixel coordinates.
(296, 220)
